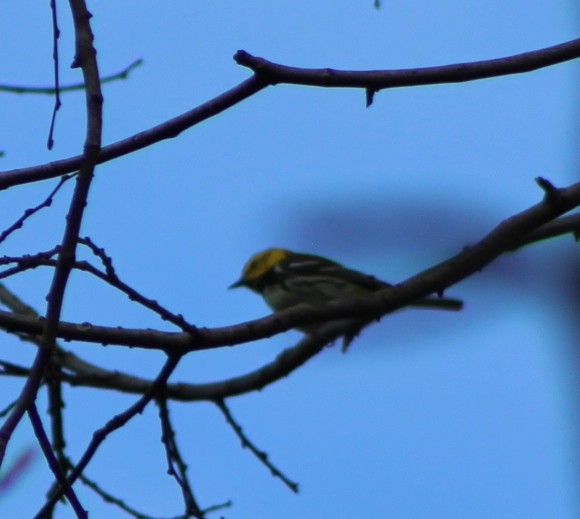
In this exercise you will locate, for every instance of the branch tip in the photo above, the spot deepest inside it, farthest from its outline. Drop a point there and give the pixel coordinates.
(551, 193)
(243, 58)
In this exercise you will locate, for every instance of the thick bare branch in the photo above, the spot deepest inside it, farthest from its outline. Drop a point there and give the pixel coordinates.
(504, 237)
(270, 73)
(375, 80)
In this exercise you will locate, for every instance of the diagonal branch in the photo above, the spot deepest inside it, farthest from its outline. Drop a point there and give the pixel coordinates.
(112, 425)
(33, 210)
(53, 463)
(176, 466)
(248, 444)
(271, 73)
(166, 130)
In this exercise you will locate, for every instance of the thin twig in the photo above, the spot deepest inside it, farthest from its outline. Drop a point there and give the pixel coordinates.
(27, 262)
(112, 425)
(109, 498)
(259, 454)
(216, 508)
(53, 379)
(11, 405)
(53, 463)
(111, 277)
(57, 103)
(30, 212)
(44, 258)
(175, 464)
(123, 74)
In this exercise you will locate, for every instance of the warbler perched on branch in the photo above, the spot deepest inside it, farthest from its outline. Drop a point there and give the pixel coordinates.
(286, 279)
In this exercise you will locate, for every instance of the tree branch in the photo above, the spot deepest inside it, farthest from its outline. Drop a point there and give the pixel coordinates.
(376, 80)
(260, 455)
(504, 237)
(166, 130)
(564, 225)
(176, 467)
(271, 73)
(46, 90)
(53, 463)
(112, 425)
(85, 57)
(33, 210)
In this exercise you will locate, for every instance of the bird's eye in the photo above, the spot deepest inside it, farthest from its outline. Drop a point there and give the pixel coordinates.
(253, 266)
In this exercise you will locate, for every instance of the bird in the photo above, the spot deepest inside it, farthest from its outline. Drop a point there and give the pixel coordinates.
(285, 279)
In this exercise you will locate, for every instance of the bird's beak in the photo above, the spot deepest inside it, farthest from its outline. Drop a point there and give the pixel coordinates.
(239, 283)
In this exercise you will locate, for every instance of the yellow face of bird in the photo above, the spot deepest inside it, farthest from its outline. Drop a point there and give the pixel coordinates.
(260, 264)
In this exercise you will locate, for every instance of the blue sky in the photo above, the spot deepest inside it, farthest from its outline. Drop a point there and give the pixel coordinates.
(429, 415)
